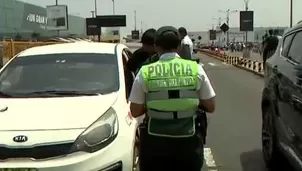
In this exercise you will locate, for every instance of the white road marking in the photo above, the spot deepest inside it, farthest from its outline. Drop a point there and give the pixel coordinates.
(212, 64)
(209, 159)
(224, 63)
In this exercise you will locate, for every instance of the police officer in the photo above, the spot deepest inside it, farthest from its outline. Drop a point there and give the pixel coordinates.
(168, 92)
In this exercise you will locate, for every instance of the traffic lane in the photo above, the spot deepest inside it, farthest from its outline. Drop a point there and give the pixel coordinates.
(234, 134)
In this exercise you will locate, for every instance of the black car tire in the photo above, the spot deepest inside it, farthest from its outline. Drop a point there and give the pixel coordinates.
(272, 155)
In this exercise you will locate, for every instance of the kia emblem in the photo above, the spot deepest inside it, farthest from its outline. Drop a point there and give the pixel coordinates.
(20, 138)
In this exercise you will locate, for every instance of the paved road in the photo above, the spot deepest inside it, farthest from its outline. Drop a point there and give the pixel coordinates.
(234, 135)
(234, 129)
(254, 56)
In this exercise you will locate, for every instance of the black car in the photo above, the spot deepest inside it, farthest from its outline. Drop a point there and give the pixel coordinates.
(282, 103)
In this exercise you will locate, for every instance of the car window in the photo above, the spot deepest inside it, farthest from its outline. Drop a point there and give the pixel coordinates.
(71, 72)
(295, 50)
(286, 44)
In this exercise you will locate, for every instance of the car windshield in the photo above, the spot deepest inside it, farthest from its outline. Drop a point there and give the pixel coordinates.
(60, 74)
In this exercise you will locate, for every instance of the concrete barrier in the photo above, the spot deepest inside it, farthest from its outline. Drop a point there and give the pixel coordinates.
(240, 62)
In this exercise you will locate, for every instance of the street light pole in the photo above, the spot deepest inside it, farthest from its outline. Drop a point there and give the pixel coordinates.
(246, 9)
(58, 31)
(113, 6)
(95, 8)
(228, 23)
(92, 14)
(141, 27)
(291, 13)
(219, 21)
(135, 20)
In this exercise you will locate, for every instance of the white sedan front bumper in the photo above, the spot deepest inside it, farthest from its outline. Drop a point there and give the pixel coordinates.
(118, 156)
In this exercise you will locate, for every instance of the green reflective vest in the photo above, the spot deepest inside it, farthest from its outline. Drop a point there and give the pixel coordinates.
(171, 97)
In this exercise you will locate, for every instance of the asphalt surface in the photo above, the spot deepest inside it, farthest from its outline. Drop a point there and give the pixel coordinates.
(234, 133)
(254, 56)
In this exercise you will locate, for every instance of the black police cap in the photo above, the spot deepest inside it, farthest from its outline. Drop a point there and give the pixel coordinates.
(166, 33)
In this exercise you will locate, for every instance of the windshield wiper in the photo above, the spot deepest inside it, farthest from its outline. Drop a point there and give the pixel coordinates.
(62, 92)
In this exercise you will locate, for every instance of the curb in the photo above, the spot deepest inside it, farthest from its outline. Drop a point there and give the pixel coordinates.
(254, 72)
(211, 54)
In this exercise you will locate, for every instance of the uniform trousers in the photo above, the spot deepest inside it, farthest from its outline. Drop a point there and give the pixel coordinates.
(170, 154)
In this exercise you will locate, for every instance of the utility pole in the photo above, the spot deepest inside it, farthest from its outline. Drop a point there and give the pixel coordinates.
(291, 13)
(135, 20)
(228, 12)
(95, 8)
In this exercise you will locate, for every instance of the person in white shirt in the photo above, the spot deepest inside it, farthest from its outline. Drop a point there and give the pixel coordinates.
(186, 50)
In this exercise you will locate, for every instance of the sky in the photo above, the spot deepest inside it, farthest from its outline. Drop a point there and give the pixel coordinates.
(195, 15)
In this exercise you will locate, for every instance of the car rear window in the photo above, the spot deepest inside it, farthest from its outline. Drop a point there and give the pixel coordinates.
(79, 72)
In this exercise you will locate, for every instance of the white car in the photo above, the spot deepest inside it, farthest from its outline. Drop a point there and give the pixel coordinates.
(64, 107)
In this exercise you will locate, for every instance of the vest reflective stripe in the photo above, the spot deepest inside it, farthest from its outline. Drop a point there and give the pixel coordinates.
(163, 95)
(170, 115)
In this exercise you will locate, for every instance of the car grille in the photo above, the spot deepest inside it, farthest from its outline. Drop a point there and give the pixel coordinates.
(38, 152)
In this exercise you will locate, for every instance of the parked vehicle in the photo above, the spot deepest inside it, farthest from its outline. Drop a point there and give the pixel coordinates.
(65, 107)
(282, 103)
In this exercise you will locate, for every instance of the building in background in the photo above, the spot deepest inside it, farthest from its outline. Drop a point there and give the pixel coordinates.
(19, 20)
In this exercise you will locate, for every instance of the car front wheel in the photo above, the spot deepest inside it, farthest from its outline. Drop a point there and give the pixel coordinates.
(271, 153)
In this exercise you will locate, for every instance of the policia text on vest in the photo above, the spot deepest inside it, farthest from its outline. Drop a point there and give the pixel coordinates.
(172, 100)
(170, 74)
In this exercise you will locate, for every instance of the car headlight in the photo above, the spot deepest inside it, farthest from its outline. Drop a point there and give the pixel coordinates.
(99, 134)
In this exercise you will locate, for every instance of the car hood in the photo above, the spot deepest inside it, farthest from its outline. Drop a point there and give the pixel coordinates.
(53, 113)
